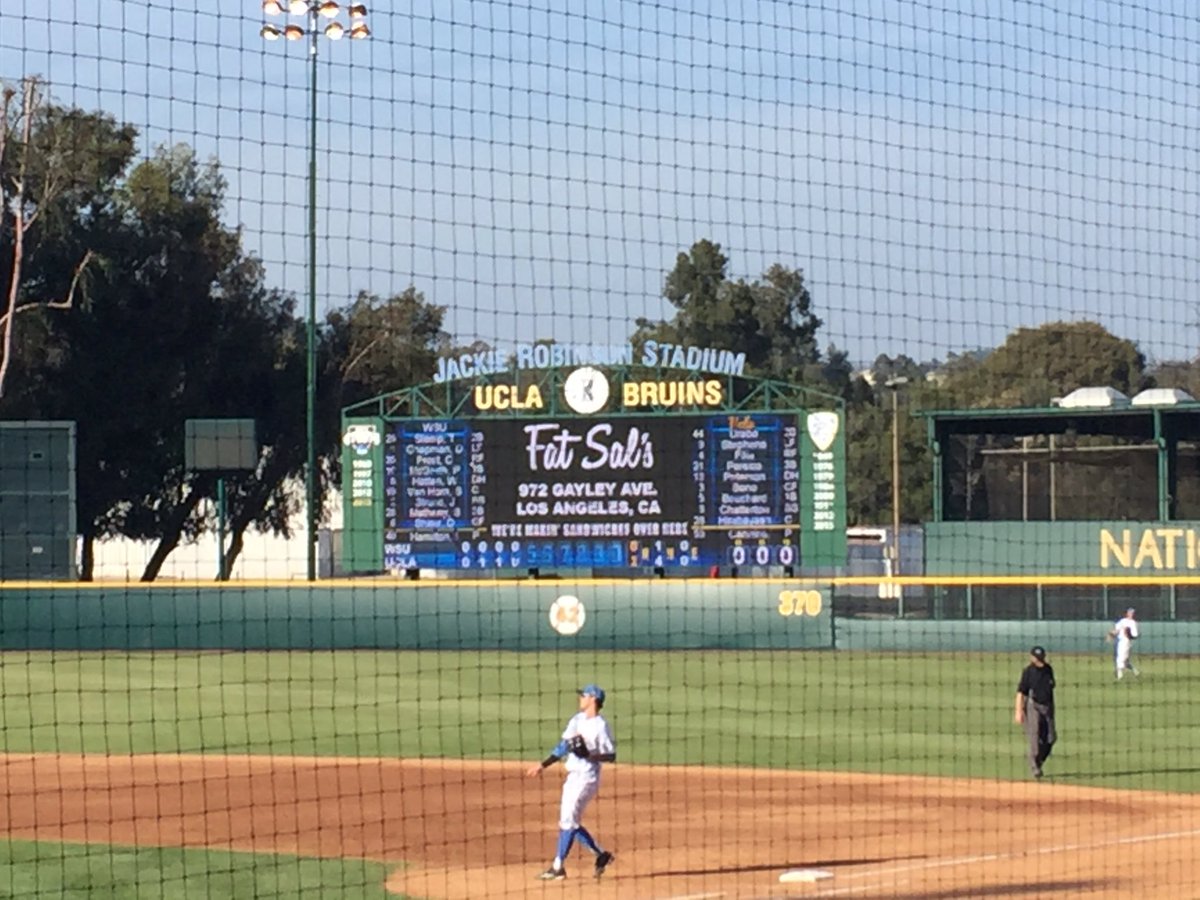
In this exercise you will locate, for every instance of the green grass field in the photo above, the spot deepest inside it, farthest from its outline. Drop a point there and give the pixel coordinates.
(934, 714)
(39, 869)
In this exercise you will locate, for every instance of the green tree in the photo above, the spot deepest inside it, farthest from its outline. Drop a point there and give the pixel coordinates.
(175, 323)
(259, 371)
(58, 167)
(178, 326)
(1035, 365)
(380, 345)
(770, 320)
(869, 424)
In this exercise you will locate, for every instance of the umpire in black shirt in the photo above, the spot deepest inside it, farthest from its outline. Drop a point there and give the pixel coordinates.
(1035, 708)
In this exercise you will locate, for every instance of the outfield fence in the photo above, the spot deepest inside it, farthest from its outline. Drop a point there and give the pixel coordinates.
(566, 615)
(1059, 597)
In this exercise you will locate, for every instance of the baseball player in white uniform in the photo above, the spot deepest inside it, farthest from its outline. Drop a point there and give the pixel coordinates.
(586, 743)
(1125, 632)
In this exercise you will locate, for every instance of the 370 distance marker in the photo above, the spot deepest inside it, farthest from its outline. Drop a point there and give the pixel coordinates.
(800, 603)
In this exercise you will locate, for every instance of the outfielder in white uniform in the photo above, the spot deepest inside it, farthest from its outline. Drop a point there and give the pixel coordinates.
(1125, 632)
(586, 743)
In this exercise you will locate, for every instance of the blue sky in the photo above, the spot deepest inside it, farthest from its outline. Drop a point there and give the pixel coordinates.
(942, 177)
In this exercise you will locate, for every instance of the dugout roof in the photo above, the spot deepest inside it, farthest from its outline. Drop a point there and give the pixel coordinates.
(1181, 421)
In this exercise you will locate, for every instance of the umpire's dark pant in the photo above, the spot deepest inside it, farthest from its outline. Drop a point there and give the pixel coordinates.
(1039, 728)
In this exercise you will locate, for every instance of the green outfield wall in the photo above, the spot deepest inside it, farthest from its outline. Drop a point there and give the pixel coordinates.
(1062, 548)
(1000, 637)
(735, 614)
(516, 615)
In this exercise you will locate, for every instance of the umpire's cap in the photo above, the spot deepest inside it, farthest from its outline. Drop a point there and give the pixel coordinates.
(1038, 652)
(593, 690)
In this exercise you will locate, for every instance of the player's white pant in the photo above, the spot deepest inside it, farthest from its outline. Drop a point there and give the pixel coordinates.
(578, 791)
(1122, 656)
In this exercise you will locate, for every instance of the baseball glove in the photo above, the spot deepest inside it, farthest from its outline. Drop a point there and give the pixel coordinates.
(578, 746)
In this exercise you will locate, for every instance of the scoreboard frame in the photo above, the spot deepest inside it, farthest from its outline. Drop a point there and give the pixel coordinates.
(587, 394)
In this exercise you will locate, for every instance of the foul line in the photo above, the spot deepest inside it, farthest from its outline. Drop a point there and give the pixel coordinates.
(997, 857)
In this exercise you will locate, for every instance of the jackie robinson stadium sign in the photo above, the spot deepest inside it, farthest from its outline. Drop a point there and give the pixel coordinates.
(612, 462)
(653, 354)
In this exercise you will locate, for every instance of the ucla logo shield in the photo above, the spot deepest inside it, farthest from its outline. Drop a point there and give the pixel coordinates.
(823, 429)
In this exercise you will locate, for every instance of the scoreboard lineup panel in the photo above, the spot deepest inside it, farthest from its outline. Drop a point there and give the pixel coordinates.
(684, 490)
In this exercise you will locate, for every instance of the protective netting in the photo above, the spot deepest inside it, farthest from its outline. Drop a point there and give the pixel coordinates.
(338, 339)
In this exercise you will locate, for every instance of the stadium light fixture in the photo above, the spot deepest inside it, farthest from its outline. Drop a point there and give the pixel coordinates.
(312, 10)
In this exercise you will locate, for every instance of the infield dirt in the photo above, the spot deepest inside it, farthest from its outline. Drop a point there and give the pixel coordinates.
(469, 829)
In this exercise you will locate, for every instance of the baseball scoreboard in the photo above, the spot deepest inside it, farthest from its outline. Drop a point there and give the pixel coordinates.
(593, 471)
(608, 493)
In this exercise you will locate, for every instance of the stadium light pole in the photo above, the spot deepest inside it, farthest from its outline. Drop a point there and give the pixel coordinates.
(311, 12)
(894, 384)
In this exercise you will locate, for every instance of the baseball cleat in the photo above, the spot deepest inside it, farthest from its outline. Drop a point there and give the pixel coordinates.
(603, 859)
(553, 874)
